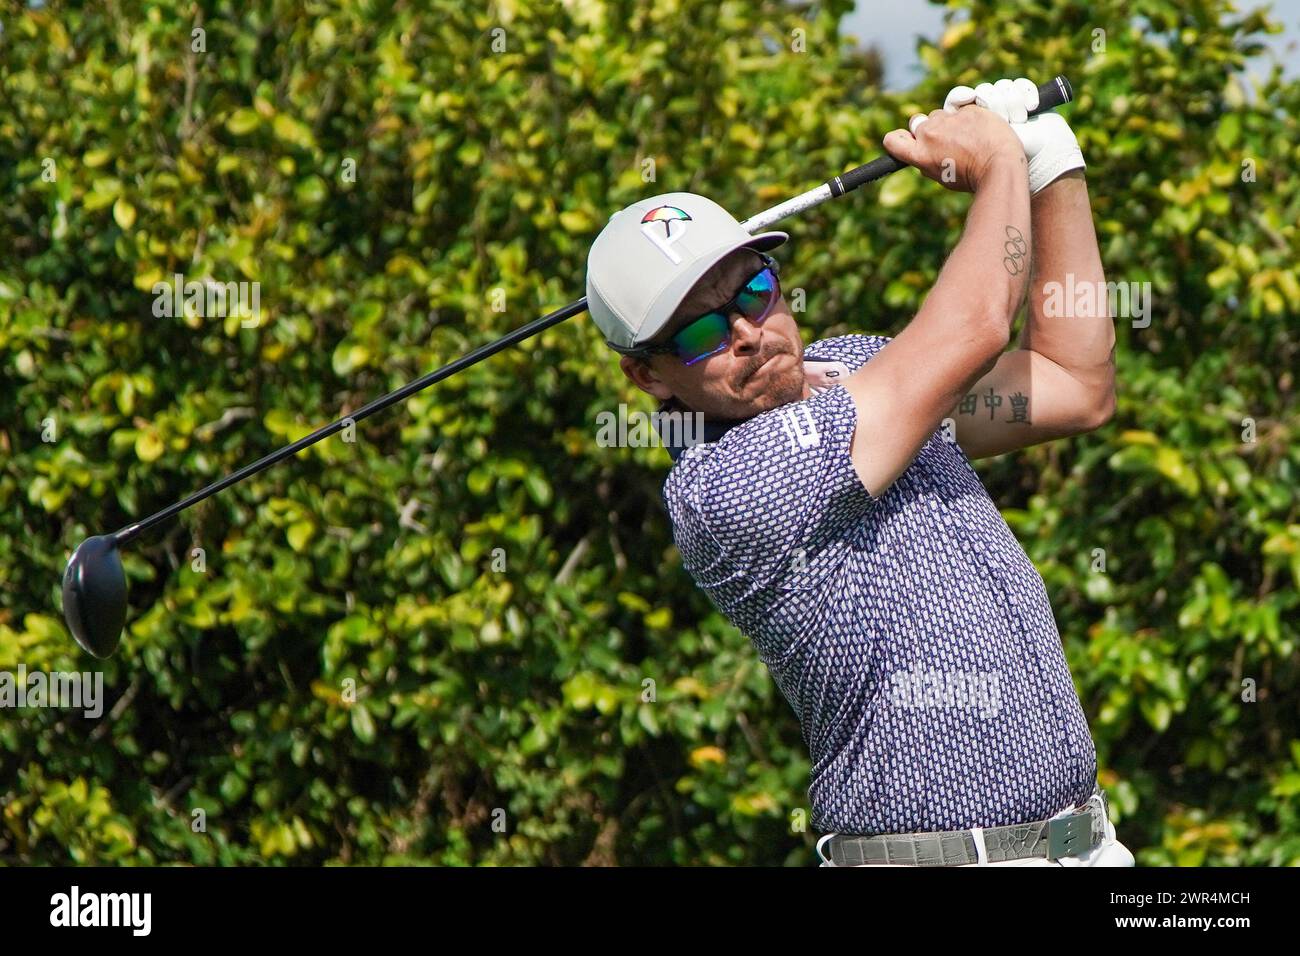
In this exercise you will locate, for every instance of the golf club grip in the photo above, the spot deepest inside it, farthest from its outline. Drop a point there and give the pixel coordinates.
(1050, 95)
(1055, 92)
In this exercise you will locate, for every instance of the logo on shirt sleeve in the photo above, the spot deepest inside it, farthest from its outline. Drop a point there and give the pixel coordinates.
(798, 424)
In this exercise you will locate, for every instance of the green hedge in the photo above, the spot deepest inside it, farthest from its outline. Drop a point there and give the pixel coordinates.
(493, 587)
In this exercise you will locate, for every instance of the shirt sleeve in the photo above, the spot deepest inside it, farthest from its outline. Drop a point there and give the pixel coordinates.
(768, 502)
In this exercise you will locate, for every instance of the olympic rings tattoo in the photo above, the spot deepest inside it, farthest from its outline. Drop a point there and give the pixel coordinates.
(1017, 251)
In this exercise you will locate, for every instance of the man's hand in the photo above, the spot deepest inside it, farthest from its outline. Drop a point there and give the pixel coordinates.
(1050, 145)
(956, 148)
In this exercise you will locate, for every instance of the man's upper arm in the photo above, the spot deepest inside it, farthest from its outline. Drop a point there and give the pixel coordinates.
(1025, 399)
(903, 394)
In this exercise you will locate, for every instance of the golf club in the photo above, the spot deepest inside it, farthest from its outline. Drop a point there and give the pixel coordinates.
(94, 583)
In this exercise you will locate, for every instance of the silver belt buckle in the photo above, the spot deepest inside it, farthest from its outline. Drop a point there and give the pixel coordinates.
(1069, 836)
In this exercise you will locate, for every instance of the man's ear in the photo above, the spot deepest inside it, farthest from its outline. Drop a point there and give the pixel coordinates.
(642, 375)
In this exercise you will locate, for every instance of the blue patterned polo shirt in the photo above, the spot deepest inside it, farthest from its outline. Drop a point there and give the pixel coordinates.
(911, 634)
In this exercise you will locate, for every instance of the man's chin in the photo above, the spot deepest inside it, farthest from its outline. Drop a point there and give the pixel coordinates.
(773, 387)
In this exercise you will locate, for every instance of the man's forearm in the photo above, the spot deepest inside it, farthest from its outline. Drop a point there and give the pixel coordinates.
(986, 276)
(1078, 334)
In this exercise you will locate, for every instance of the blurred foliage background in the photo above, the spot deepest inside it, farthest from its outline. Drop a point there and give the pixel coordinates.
(492, 587)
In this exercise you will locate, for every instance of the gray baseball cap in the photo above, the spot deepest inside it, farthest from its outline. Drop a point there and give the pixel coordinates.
(650, 254)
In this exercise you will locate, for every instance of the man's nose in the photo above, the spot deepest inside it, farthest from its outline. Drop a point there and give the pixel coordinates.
(746, 337)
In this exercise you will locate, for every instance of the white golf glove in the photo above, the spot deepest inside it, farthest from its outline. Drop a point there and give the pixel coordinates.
(1050, 145)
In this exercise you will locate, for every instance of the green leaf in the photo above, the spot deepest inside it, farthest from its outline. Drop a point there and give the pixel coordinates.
(102, 193)
(149, 446)
(243, 121)
(534, 741)
(348, 357)
(363, 724)
(123, 213)
(1171, 464)
(659, 618)
(292, 131)
(1287, 786)
(232, 788)
(897, 189)
(1229, 131)
(539, 489)
(1157, 711)
(311, 190)
(300, 534)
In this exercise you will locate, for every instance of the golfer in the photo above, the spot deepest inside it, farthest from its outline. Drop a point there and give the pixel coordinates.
(831, 512)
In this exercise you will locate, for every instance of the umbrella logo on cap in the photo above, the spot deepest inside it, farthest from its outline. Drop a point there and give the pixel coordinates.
(667, 215)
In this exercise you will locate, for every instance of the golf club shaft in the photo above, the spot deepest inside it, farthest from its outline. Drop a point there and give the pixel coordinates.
(406, 391)
(1051, 94)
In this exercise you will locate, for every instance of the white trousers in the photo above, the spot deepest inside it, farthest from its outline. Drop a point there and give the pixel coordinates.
(1109, 852)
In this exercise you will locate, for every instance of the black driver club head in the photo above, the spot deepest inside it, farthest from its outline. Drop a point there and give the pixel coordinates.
(94, 595)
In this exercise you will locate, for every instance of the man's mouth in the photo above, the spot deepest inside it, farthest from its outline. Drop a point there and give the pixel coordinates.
(762, 366)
